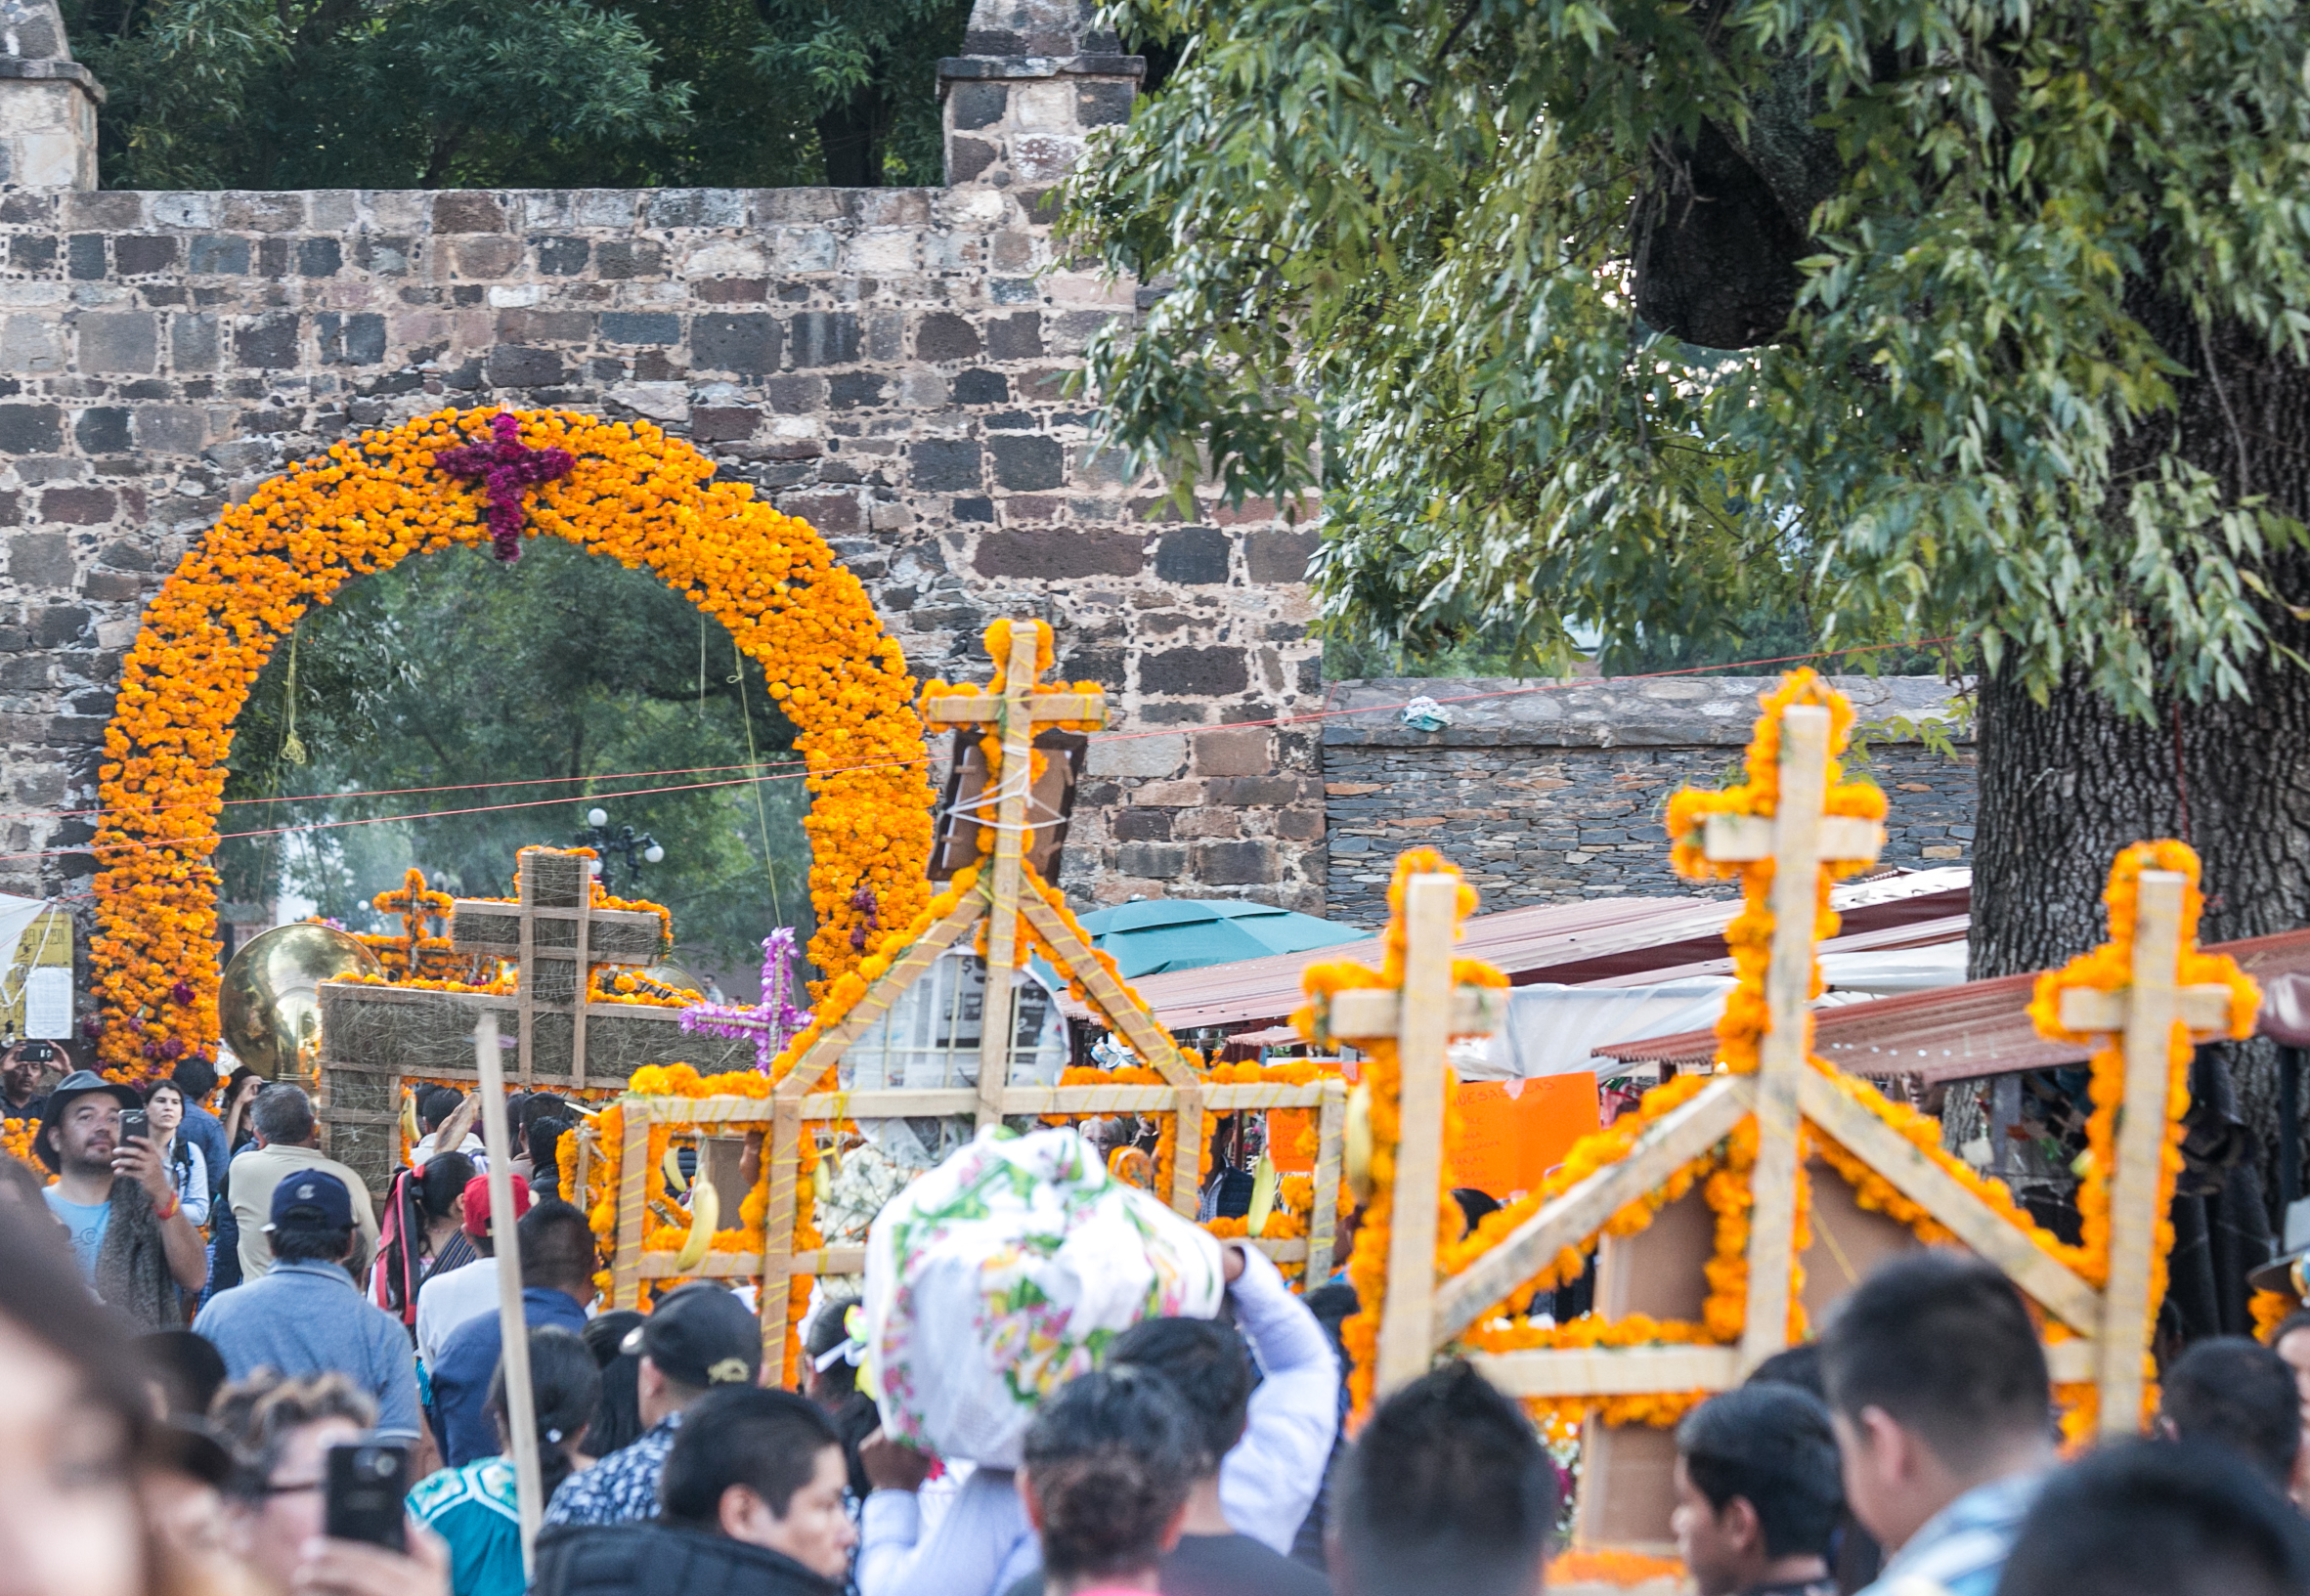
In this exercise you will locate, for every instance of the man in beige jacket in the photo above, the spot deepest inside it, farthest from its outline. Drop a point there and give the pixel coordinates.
(288, 1140)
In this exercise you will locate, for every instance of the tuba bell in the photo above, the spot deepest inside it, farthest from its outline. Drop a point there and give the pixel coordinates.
(270, 1001)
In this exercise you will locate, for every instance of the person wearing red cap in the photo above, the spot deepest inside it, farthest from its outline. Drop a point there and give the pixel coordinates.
(448, 1299)
(556, 1263)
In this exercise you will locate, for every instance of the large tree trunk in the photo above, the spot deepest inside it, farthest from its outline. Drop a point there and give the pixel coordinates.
(2066, 783)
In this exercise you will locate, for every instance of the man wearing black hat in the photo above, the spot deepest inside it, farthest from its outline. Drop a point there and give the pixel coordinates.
(115, 1200)
(306, 1316)
(700, 1337)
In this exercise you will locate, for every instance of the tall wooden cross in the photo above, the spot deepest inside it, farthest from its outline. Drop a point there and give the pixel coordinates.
(2143, 1014)
(1015, 715)
(1797, 837)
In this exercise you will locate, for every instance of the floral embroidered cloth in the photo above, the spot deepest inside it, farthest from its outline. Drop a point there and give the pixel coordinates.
(1003, 1273)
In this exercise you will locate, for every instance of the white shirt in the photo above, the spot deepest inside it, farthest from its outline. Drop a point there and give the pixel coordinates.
(472, 1147)
(448, 1301)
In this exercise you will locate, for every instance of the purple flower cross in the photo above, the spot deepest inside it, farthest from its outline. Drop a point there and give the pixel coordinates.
(508, 468)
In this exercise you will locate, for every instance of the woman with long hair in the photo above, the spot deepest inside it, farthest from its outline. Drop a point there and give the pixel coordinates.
(617, 1418)
(188, 1168)
(476, 1508)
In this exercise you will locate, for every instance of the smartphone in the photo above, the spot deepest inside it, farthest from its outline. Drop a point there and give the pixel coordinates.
(367, 1482)
(39, 1052)
(135, 1123)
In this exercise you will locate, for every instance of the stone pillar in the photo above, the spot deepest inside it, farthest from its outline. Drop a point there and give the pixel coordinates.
(1040, 74)
(48, 102)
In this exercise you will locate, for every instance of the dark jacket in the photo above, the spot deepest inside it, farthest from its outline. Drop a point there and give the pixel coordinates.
(658, 1560)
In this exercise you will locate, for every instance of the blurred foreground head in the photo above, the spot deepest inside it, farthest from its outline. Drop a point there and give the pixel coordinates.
(1447, 1490)
(73, 1421)
(2142, 1518)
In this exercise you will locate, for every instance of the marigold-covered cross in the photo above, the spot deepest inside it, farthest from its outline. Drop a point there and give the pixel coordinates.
(2151, 994)
(506, 467)
(1013, 712)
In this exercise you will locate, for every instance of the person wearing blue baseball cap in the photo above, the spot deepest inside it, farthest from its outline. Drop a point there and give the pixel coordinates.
(305, 1315)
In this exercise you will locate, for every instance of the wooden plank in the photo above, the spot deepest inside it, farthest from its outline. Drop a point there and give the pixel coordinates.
(1406, 1334)
(1187, 1164)
(633, 1170)
(2069, 1362)
(782, 1145)
(1665, 1145)
(581, 999)
(899, 1102)
(1747, 838)
(979, 710)
(520, 1413)
(525, 991)
(2063, 1293)
(997, 1021)
(1323, 1223)
(907, 968)
(1788, 1038)
(2150, 1011)
(658, 1266)
(2090, 1008)
(1110, 998)
(1372, 1012)
(1610, 1371)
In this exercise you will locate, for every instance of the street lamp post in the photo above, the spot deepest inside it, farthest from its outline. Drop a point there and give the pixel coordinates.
(636, 848)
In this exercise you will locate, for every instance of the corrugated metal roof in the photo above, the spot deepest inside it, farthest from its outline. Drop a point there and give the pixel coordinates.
(1951, 1033)
(1570, 942)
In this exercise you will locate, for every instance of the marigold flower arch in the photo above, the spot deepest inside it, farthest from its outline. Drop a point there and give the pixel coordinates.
(634, 493)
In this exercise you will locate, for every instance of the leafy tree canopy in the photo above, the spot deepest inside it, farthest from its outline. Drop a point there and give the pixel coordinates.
(276, 93)
(1404, 249)
(519, 681)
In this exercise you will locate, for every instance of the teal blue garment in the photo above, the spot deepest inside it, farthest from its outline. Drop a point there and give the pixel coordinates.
(87, 1223)
(476, 1510)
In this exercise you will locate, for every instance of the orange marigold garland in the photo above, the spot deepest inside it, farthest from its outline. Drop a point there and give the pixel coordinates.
(633, 493)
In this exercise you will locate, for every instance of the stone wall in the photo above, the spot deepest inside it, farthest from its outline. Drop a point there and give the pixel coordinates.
(1554, 793)
(893, 364)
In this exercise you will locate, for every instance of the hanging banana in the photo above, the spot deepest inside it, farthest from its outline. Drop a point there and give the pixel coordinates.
(1265, 1182)
(675, 1180)
(1356, 1154)
(705, 1220)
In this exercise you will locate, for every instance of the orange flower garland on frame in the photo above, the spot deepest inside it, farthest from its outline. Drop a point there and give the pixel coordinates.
(633, 493)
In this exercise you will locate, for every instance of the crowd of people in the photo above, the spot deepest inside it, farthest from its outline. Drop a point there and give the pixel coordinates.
(1911, 1452)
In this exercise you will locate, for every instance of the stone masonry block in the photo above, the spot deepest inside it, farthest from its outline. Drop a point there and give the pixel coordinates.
(1150, 757)
(945, 337)
(32, 345)
(1158, 861)
(1059, 553)
(1025, 464)
(40, 559)
(1192, 556)
(944, 464)
(102, 430)
(78, 506)
(1274, 555)
(747, 345)
(467, 211)
(266, 342)
(825, 339)
(974, 104)
(1235, 750)
(30, 429)
(1100, 105)
(117, 341)
(1205, 673)
(140, 254)
(1246, 863)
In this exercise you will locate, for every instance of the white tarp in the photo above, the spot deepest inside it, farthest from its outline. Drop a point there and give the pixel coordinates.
(1555, 1030)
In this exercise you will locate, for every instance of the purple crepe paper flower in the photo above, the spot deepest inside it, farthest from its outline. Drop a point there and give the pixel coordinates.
(773, 1022)
(506, 467)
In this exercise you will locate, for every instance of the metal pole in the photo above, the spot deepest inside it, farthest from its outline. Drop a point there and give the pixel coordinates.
(513, 1336)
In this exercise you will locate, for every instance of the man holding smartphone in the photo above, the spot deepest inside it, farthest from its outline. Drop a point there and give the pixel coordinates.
(21, 1070)
(115, 1200)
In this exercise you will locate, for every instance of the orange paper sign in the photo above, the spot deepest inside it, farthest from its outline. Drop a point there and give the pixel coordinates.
(1507, 1144)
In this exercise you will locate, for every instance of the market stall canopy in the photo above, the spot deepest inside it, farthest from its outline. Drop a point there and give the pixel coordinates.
(1567, 943)
(1955, 1033)
(1155, 935)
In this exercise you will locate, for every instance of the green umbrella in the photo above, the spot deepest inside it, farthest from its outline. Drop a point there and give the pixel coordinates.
(1157, 935)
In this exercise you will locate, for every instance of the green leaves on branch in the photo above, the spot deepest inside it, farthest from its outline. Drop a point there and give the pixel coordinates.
(1398, 245)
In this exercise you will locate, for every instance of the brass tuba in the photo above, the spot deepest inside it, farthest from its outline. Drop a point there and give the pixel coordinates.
(269, 1004)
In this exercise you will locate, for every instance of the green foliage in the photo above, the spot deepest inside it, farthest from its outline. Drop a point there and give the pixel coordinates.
(266, 94)
(450, 669)
(1395, 242)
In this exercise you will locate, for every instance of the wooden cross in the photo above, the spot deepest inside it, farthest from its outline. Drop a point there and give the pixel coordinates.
(1797, 837)
(2143, 1013)
(1014, 715)
(1423, 1016)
